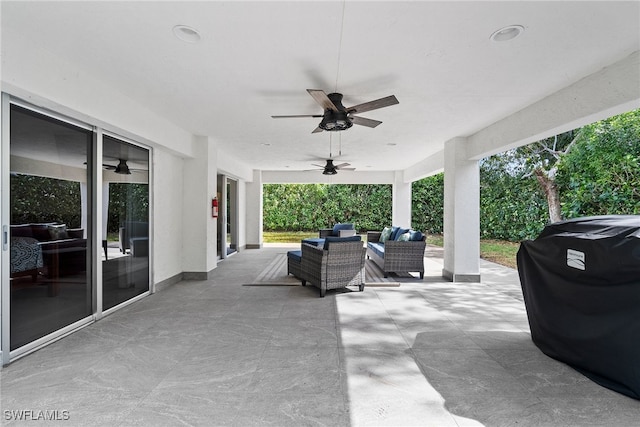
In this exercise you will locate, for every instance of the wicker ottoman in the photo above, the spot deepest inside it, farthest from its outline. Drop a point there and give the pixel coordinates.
(294, 259)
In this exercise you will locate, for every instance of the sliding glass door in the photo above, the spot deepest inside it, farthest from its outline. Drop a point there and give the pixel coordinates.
(72, 257)
(125, 260)
(49, 255)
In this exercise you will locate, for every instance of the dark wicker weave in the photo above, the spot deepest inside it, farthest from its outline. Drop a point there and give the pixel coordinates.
(339, 266)
(325, 232)
(294, 267)
(398, 256)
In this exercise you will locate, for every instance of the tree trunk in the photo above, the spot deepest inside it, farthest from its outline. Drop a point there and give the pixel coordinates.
(548, 183)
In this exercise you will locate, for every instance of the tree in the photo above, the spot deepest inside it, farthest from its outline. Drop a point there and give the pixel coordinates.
(601, 174)
(512, 207)
(541, 159)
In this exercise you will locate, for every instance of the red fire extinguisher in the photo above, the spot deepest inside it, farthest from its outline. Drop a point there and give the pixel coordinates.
(214, 207)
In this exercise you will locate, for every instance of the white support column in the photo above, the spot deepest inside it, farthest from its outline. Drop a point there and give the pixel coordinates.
(401, 206)
(199, 245)
(254, 211)
(461, 214)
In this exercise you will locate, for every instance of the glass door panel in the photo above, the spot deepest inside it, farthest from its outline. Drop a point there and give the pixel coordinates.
(49, 274)
(125, 257)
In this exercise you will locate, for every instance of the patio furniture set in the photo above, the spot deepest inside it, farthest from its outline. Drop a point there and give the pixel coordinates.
(336, 259)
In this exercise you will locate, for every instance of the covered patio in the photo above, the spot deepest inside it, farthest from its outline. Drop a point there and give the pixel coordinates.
(217, 352)
(197, 346)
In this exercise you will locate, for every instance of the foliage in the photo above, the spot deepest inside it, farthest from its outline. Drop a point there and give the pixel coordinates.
(127, 201)
(601, 174)
(511, 206)
(427, 207)
(39, 199)
(309, 207)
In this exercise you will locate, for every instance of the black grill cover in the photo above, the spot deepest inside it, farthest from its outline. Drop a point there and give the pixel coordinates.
(581, 284)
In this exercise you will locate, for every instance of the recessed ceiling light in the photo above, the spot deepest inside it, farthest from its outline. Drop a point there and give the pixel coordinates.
(507, 33)
(186, 33)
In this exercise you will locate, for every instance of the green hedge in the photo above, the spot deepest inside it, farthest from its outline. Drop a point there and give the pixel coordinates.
(309, 207)
(427, 207)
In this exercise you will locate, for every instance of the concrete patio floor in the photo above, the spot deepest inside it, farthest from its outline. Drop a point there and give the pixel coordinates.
(204, 353)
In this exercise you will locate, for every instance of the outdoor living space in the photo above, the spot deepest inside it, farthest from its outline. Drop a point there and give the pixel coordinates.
(232, 350)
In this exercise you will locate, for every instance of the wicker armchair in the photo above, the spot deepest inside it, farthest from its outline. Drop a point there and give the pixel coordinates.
(338, 266)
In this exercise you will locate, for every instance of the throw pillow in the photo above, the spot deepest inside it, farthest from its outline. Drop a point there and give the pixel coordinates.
(400, 232)
(404, 237)
(416, 236)
(394, 232)
(58, 231)
(386, 233)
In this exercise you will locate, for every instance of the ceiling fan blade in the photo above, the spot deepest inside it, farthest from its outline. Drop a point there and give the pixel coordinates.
(318, 166)
(347, 169)
(365, 122)
(342, 165)
(322, 99)
(318, 129)
(374, 105)
(296, 116)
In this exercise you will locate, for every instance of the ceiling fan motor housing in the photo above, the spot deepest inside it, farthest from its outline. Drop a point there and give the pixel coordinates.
(122, 168)
(335, 120)
(329, 168)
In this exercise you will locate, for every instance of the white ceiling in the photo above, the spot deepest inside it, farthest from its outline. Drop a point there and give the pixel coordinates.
(256, 59)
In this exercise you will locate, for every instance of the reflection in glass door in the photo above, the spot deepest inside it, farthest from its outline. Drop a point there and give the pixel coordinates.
(125, 237)
(49, 277)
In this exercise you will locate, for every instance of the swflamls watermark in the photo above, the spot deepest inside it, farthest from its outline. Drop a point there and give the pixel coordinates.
(36, 415)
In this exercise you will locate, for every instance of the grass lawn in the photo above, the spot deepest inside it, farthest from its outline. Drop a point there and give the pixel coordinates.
(498, 251)
(287, 236)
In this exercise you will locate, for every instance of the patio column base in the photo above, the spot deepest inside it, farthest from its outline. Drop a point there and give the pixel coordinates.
(467, 278)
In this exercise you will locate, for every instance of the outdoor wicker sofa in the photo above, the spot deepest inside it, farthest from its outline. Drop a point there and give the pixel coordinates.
(395, 255)
(340, 265)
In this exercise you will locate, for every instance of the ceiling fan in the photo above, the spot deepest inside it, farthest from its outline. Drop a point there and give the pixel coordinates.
(337, 117)
(330, 169)
(122, 168)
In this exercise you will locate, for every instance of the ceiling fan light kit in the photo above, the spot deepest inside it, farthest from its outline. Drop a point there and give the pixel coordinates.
(335, 121)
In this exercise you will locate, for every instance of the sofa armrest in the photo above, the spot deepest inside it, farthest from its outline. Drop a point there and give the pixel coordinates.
(312, 263)
(373, 236)
(325, 232)
(75, 233)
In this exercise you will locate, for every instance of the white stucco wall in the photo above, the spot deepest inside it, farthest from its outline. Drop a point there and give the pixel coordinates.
(168, 185)
(199, 228)
(65, 89)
